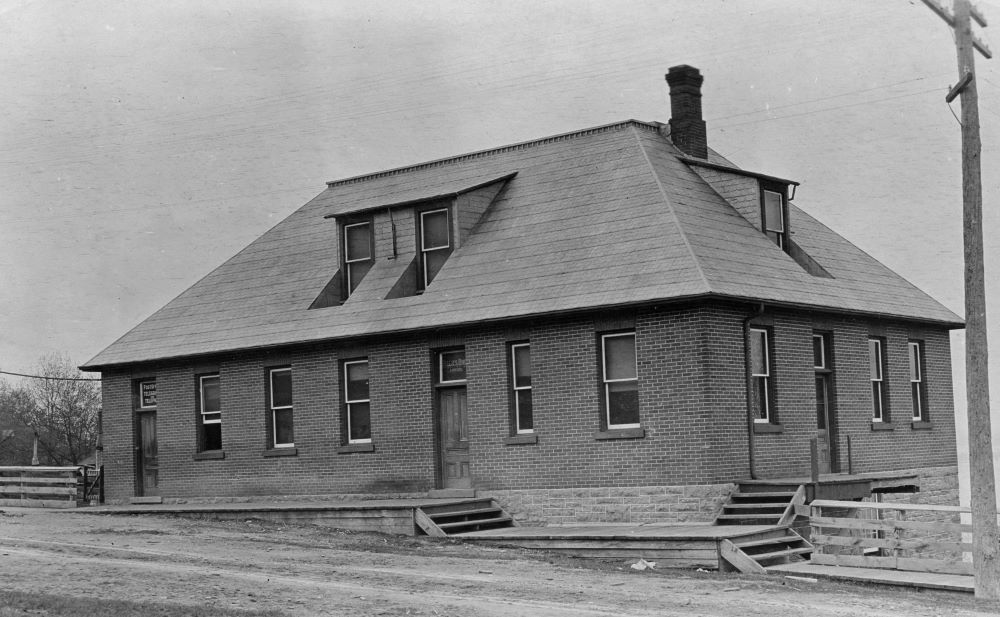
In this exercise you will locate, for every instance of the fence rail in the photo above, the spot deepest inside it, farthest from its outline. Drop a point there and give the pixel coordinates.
(39, 487)
(912, 537)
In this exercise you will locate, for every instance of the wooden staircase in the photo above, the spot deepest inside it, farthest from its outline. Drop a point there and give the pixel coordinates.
(754, 504)
(461, 517)
(760, 504)
(754, 556)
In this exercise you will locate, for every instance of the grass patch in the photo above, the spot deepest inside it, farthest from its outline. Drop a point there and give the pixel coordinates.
(21, 604)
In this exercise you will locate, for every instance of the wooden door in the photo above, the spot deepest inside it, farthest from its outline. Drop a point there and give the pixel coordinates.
(454, 431)
(149, 466)
(823, 425)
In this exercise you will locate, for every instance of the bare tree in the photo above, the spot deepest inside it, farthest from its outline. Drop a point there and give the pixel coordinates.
(62, 412)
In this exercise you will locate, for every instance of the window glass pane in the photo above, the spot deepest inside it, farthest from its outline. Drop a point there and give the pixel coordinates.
(522, 366)
(212, 437)
(452, 366)
(914, 362)
(760, 402)
(525, 421)
(210, 395)
(283, 426)
(877, 400)
(773, 219)
(433, 262)
(359, 419)
(619, 357)
(819, 352)
(821, 402)
(875, 359)
(918, 411)
(358, 242)
(281, 388)
(357, 381)
(623, 403)
(356, 272)
(434, 226)
(758, 352)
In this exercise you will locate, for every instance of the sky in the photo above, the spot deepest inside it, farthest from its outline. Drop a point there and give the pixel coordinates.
(142, 144)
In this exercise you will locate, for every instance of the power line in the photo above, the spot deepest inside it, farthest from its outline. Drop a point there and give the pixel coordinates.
(49, 378)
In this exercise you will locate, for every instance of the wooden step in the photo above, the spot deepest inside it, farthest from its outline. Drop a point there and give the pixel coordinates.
(474, 523)
(748, 506)
(749, 517)
(770, 495)
(472, 504)
(788, 552)
(790, 539)
(436, 516)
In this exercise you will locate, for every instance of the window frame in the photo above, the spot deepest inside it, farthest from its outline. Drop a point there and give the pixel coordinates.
(138, 393)
(274, 409)
(517, 390)
(880, 400)
(423, 282)
(345, 259)
(202, 413)
(918, 386)
(605, 382)
(780, 235)
(767, 378)
(439, 372)
(348, 402)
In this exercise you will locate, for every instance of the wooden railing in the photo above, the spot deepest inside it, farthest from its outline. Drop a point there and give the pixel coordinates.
(913, 537)
(39, 487)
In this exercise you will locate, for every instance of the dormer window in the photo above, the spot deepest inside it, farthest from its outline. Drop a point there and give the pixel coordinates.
(774, 214)
(435, 243)
(358, 254)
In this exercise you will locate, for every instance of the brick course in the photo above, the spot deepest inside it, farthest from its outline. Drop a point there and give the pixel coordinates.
(692, 398)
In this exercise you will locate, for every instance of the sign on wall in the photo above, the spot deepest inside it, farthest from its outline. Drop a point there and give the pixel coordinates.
(147, 393)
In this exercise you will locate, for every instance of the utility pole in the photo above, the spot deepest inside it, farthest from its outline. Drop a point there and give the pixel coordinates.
(985, 535)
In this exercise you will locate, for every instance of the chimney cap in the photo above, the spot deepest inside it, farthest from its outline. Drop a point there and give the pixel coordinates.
(684, 74)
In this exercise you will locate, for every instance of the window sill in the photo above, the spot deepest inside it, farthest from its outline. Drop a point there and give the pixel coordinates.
(767, 427)
(209, 455)
(882, 426)
(523, 438)
(921, 426)
(356, 447)
(281, 452)
(620, 433)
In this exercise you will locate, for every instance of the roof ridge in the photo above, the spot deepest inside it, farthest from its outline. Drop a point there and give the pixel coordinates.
(673, 213)
(508, 148)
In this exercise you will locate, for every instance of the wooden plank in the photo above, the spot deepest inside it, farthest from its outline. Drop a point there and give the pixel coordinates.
(39, 490)
(732, 554)
(38, 503)
(888, 525)
(891, 543)
(936, 566)
(38, 469)
(857, 561)
(868, 505)
(424, 522)
(14, 481)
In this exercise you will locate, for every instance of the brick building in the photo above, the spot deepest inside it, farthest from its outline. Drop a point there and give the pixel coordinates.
(611, 324)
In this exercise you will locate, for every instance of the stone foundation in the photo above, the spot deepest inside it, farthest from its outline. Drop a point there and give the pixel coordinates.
(636, 504)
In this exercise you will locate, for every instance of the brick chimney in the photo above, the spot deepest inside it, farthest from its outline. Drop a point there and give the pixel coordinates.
(687, 129)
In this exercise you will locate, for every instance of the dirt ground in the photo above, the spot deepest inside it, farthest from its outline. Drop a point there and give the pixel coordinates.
(308, 570)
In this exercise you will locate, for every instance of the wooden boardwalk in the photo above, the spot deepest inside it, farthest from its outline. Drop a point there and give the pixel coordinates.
(916, 580)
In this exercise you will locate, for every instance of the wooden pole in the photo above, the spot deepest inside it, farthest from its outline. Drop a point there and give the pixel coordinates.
(985, 536)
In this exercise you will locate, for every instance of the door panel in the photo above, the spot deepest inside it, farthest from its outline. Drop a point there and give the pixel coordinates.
(454, 430)
(823, 423)
(149, 466)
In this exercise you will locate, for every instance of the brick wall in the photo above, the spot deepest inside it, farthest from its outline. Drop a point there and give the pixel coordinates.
(692, 398)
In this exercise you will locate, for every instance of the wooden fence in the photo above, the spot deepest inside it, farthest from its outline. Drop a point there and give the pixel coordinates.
(39, 487)
(913, 537)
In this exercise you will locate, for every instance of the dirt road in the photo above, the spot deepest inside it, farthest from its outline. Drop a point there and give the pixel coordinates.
(305, 570)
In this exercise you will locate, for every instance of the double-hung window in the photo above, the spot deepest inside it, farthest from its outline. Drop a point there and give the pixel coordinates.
(520, 358)
(621, 380)
(876, 372)
(358, 258)
(774, 214)
(435, 244)
(280, 422)
(760, 375)
(917, 387)
(209, 413)
(357, 404)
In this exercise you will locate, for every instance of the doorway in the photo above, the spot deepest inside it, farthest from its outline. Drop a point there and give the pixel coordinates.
(825, 420)
(148, 471)
(451, 405)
